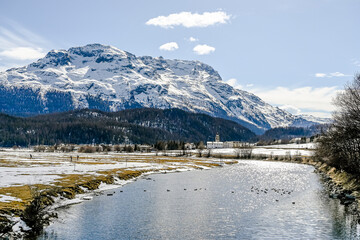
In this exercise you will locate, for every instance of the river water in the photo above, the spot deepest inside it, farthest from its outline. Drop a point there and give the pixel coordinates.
(249, 200)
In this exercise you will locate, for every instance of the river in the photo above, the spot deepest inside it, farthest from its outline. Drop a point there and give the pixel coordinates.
(249, 200)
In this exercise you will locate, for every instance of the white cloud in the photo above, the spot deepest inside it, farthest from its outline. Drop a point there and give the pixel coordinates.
(291, 109)
(192, 39)
(356, 62)
(203, 49)
(23, 53)
(249, 85)
(306, 99)
(233, 82)
(338, 74)
(188, 19)
(320, 75)
(330, 75)
(170, 46)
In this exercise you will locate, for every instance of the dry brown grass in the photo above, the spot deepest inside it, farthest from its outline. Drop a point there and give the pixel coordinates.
(21, 192)
(95, 163)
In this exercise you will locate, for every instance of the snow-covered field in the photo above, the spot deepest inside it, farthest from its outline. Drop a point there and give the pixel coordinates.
(303, 150)
(18, 168)
(294, 146)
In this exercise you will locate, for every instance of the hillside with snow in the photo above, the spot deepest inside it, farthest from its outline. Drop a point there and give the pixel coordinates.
(109, 79)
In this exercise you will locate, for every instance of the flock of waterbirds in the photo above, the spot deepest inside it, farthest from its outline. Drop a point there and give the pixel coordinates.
(257, 190)
(280, 191)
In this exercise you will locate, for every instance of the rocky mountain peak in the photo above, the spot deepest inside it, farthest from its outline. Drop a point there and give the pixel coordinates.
(109, 79)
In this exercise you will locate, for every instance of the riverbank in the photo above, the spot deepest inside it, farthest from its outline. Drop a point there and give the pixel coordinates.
(340, 184)
(52, 180)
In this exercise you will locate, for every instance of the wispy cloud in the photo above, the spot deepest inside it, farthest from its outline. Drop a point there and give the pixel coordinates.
(19, 45)
(203, 49)
(355, 62)
(170, 46)
(188, 19)
(13, 35)
(330, 75)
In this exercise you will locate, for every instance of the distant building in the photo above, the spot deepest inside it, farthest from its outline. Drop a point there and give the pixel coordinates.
(228, 144)
(217, 138)
(145, 148)
(295, 140)
(216, 143)
(233, 144)
(190, 146)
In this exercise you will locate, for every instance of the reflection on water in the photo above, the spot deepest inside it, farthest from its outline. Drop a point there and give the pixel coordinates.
(250, 200)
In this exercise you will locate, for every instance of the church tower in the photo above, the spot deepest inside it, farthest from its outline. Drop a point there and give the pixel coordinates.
(217, 138)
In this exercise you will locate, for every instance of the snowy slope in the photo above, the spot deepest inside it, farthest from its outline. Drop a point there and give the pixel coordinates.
(315, 119)
(106, 78)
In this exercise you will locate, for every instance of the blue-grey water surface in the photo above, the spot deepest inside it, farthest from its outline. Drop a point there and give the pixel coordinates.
(221, 203)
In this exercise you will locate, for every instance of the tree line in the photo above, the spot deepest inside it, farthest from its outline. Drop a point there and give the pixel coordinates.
(137, 126)
(340, 145)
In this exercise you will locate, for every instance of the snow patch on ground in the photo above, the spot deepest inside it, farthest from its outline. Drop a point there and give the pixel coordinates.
(19, 226)
(6, 198)
(304, 150)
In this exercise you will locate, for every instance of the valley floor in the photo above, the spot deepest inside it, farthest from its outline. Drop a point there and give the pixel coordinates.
(70, 178)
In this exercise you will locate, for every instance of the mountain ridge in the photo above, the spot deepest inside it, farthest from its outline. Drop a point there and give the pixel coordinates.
(109, 79)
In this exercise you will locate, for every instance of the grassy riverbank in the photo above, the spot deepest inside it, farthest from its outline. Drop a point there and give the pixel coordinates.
(339, 181)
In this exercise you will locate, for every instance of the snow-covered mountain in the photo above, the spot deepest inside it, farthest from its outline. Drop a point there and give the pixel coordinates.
(311, 118)
(109, 79)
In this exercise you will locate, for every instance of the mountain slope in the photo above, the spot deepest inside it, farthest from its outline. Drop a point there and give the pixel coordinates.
(287, 133)
(106, 78)
(138, 125)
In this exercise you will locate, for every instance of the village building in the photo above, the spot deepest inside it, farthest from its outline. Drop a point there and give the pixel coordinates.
(190, 146)
(145, 148)
(216, 143)
(233, 144)
(228, 144)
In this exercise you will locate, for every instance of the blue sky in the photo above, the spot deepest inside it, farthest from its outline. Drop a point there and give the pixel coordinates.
(295, 54)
